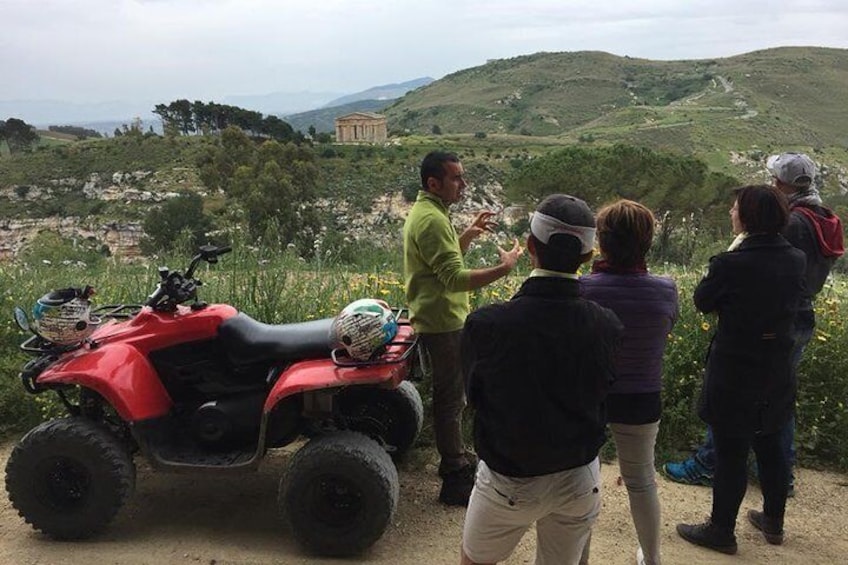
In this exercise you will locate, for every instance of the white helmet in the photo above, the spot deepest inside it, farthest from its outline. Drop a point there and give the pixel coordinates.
(363, 327)
(64, 316)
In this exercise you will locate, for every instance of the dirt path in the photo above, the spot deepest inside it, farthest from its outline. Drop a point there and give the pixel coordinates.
(233, 520)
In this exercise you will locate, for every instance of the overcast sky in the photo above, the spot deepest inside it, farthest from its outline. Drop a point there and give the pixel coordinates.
(99, 50)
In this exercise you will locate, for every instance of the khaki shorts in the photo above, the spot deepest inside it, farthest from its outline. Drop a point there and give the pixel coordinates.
(563, 505)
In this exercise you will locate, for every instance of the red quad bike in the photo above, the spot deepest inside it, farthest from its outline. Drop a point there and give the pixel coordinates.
(199, 387)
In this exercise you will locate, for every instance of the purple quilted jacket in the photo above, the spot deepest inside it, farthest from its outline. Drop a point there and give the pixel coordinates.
(647, 306)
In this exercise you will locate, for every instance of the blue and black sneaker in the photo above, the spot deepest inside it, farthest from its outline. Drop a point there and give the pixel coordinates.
(689, 472)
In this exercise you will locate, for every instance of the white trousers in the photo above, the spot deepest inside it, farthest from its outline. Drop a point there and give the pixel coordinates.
(563, 506)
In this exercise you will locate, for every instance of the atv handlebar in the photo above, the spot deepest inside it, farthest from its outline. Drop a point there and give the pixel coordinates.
(208, 253)
(175, 288)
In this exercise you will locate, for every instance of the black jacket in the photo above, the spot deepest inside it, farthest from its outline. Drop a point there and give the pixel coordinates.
(749, 385)
(537, 372)
(801, 234)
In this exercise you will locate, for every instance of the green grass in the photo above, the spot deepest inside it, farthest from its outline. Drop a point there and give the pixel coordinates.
(278, 288)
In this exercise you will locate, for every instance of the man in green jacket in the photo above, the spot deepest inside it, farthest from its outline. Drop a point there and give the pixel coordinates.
(437, 284)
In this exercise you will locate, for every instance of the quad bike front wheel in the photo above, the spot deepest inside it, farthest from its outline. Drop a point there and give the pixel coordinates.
(339, 494)
(69, 477)
(393, 416)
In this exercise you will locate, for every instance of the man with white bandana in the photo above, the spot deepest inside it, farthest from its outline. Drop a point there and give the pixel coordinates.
(537, 370)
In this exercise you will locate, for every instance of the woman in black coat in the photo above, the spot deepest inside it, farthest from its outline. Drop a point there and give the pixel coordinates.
(748, 395)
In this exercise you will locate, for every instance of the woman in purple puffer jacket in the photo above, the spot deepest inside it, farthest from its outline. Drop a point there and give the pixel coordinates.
(647, 305)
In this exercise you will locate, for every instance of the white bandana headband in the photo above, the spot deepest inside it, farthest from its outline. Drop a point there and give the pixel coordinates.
(543, 227)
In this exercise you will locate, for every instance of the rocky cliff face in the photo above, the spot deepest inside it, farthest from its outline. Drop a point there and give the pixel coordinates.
(381, 224)
(388, 212)
(120, 237)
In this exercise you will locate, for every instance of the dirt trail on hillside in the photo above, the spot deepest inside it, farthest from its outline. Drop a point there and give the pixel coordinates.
(233, 520)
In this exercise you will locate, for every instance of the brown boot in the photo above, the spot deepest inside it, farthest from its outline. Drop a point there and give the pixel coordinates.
(772, 531)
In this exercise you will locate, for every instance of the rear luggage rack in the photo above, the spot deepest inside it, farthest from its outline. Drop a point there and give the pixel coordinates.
(388, 357)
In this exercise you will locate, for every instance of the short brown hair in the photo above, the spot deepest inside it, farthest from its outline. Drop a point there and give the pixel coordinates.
(433, 165)
(625, 232)
(762, 208)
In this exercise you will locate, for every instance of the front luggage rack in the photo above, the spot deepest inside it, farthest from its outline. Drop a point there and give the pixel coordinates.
(117, 311)
(37, 345)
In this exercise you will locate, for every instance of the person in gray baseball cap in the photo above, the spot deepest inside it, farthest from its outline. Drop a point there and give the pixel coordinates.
(813, 228)
(817, 231)
(795, 171)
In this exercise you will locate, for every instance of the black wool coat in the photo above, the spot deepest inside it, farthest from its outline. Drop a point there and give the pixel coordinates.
(749, 384)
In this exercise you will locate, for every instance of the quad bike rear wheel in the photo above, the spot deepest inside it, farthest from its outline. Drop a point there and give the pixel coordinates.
(339, 494)
(69, 477)
(393, 416)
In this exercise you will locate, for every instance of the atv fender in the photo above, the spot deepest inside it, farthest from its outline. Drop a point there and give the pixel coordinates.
(316, 374)
(118, 373)
(323, 373)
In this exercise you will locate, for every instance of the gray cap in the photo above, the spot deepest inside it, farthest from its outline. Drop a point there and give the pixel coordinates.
(795, 169)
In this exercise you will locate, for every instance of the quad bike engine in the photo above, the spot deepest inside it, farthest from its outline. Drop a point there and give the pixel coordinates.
(225, 422)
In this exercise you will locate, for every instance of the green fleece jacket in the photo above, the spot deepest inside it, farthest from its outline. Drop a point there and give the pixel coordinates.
(435, 276)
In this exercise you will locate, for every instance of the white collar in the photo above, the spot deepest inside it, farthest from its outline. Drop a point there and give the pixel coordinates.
(537, 272)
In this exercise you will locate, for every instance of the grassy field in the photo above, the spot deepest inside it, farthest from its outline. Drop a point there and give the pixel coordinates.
(279, 288)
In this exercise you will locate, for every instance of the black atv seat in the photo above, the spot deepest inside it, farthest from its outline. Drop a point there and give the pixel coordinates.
(248, 341)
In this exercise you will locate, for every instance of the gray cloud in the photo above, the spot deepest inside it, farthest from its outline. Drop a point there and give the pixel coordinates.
(100, 50)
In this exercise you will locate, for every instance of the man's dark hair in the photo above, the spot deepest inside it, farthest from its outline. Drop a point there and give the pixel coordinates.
(433, 165)
(563, 253)
(762, 208)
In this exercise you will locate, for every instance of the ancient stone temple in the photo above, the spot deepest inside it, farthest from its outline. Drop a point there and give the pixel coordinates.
(361, 127)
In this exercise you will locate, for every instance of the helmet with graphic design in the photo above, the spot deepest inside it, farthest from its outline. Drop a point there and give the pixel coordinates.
(64, 316)
(364, 327)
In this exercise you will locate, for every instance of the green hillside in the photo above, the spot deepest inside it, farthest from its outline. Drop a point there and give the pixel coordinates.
(783, 97)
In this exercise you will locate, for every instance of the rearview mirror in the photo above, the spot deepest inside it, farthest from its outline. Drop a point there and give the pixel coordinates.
(21, 319)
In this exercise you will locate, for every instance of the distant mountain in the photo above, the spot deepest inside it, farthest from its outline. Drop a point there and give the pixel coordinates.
(324, 118)
(59, 112)
(110, 114)
(372, 100)
(281, 103)
(107, 127)
(384, 92)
